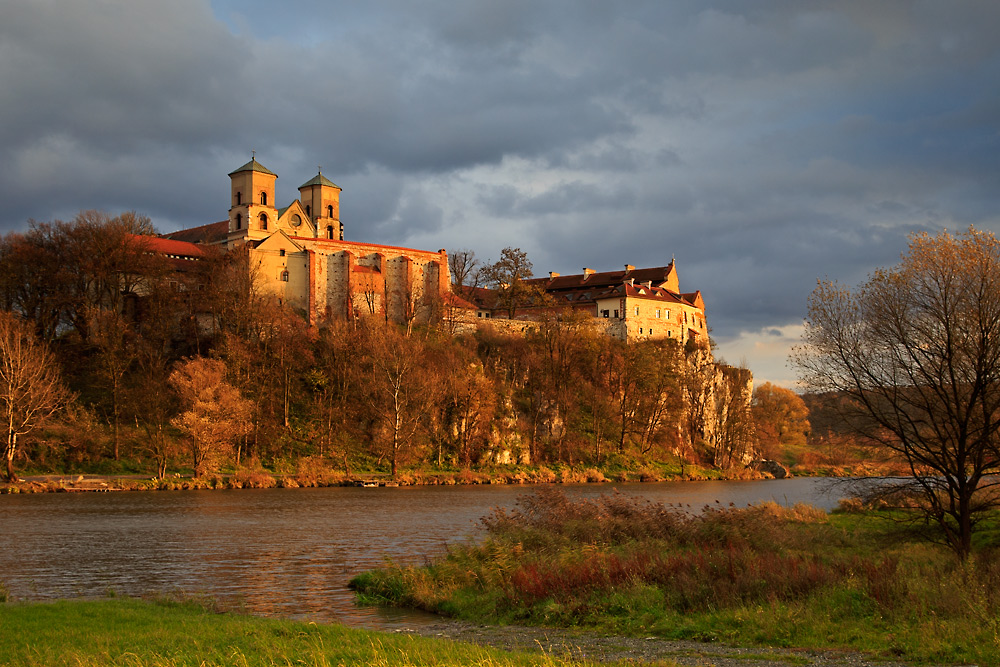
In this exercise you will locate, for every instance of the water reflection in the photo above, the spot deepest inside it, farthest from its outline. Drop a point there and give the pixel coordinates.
(282, 552)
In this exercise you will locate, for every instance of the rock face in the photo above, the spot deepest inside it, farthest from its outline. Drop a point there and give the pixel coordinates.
(717, 409)
(773, 468)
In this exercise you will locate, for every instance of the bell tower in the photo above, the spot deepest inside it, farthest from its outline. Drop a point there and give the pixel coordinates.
(321, 198)
(252, 214)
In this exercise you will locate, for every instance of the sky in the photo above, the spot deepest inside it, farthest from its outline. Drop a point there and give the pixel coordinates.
(761, 145)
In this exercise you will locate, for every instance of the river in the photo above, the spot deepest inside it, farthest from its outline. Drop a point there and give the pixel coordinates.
(281, 552)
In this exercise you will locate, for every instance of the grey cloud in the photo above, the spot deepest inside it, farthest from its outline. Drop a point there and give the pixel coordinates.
(764, 145)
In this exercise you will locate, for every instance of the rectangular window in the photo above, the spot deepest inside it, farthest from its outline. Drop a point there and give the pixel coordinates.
(670, 334)
(604, 313)
(668, 315)
(637, 311)
(616, 314)
(640, 329)
(281, 252)
(657, 313)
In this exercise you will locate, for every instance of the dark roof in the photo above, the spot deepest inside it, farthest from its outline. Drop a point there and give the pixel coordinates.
(253, 165)
(202, 234)
(602, 280)
(319, 179)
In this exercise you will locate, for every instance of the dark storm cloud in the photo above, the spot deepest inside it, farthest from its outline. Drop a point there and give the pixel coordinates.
(762, 144)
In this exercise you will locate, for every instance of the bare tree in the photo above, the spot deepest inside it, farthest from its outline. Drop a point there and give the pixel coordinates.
(30, 386)
(465, 271)
(916, 348)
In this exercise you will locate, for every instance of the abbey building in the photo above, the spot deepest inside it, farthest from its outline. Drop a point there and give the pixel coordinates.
(299, 254)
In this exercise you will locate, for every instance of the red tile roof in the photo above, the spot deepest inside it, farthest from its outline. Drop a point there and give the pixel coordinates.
(653, 293)
(452, 299)
(172, 247)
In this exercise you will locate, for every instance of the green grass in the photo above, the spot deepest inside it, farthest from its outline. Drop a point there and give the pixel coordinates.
(136, 633)
(764, 576)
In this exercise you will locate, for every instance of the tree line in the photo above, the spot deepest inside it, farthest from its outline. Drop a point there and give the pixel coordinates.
(159, 364)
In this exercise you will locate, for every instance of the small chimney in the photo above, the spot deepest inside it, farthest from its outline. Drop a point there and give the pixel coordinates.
(629, 268)
(587, 272)
(553, 274)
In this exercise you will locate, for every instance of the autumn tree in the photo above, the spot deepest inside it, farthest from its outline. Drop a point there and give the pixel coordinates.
(215, 414)
(462, 413)
(733, 434)
(396, 388)
(30, 387)
(781, 420)
(334, 383)
(916, 349)
(507, 276)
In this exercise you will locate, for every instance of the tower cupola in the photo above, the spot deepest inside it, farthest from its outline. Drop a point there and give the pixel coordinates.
(252, 210)
(321, 198)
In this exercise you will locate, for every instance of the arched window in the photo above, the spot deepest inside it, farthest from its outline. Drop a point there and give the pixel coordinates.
(329, 211)
(239, 198)
(263, 220)
(329, 231)
(284, 276)
(239, 221)
(308, 212)
(263, 199)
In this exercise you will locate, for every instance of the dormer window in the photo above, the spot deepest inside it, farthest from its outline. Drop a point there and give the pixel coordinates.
(263, 199)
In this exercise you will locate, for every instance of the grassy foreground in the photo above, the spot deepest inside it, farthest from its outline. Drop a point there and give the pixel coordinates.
(763, 575)
(136, 633)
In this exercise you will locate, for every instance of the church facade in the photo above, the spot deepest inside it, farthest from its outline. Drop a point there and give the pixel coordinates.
(299, 254)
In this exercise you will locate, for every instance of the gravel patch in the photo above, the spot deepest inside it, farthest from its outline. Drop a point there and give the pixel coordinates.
(584, 645)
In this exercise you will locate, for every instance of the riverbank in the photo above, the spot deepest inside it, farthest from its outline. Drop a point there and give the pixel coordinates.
(793, 577)
(322, 477)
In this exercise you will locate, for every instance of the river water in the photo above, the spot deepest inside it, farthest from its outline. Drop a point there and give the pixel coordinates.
(282, 552)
